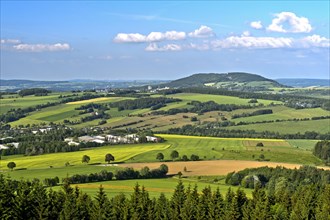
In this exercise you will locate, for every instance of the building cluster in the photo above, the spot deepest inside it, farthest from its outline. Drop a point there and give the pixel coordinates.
(8, 145)
(112, 139)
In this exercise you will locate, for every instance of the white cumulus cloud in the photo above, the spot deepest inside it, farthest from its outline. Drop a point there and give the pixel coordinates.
(202, 31)
(256, 25)
(130, 38)
(168, 47)
(151, 37)
(42, 47)
(295, 24)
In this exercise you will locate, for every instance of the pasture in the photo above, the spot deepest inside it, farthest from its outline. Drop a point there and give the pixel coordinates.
(289, 127)
(120, 152)
(281, 112)
(154, 186)
(63, 111)
(15, 101)
(220, 99)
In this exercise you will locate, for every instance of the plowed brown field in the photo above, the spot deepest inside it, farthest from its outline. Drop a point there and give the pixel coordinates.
(214, 167)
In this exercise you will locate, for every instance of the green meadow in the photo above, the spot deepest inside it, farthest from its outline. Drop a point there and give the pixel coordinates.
(154, 186)
(220, 99)
(16, 101)
(281, 112)
(120, 152)
(289, 127)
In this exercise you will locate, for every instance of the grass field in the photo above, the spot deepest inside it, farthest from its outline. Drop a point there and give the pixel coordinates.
(154, 186)
(240, 151)
(282, 112)
(220, 99)
(63, 111)
(120, 152)
(16, 101)
(207, 148)
(289, 127)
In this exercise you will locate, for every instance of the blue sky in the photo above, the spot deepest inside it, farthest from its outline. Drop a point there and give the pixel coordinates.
(163, 39)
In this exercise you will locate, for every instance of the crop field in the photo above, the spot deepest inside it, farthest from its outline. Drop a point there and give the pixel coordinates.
(220, 99)
(289, 127)
(101, 99)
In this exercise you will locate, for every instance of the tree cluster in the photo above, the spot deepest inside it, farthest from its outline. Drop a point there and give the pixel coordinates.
(322, 151)
(258, 112)
(88, 178)
(144, 173)
(279, 178)
(34, 91)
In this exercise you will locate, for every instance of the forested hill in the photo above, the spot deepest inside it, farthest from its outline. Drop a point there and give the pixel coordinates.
(225, 80)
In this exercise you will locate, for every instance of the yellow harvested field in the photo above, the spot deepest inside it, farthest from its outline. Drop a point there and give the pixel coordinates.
(102, 99)
(214, 167)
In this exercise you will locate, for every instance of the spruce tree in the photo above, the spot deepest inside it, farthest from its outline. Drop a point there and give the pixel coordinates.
(162, 208)
(177, 201)
(100, 206)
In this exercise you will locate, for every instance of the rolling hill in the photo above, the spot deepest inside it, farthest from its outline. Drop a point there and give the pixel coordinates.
(233, 80)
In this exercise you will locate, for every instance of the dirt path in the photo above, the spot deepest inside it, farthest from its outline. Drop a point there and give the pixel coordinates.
(214, 167)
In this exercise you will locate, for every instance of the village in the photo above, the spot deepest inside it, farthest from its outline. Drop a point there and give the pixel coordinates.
(9, 142)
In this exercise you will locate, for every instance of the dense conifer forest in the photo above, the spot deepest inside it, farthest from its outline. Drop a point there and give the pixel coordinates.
(31, 200)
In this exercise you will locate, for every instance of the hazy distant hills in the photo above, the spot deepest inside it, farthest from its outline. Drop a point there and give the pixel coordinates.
(304, 82)
(78, 84)
(233, 80)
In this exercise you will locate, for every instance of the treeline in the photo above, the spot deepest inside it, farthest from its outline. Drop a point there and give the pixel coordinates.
(195, 130)
(88, 178)
(202, 107)
(141, 103)
(123, 174)
(275, 180)
(144, 173)
(258, 112)
(34, 91)
(322, 151)
(30, 200)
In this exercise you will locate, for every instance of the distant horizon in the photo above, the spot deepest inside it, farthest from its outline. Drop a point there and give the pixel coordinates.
(129, 80)
(121, 40)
